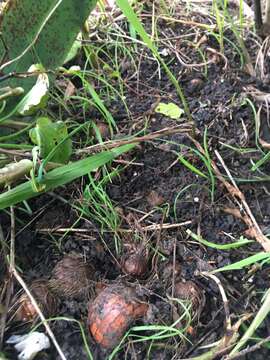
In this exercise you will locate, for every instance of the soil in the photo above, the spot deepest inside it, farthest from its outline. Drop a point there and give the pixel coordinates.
(159, 190)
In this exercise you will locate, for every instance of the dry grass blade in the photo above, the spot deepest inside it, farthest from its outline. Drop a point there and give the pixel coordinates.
(257, 232)
(153, 227)
(238, 196)
(261, 61)
(185, 128)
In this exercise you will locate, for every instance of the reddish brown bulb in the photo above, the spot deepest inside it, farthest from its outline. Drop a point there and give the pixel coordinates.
(71, 276)
(189, 291)
(135, 265)
(47, 302)
(113, 312)
(135, 261)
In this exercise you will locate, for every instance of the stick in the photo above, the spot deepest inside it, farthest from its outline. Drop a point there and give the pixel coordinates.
(183, 128)
(39, 312)
(144, 228)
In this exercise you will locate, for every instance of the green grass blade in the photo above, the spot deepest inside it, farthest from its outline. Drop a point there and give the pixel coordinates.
(191, 167)
(208, 164)
(233, 245)
(133, 19)
(259, 318)
(245, 262)
(60, 176)
(260, 162)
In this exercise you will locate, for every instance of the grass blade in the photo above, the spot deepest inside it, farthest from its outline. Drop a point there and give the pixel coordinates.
(60, 176)
(133, 19)
(233, 245)
(259, 318)
(245, 262)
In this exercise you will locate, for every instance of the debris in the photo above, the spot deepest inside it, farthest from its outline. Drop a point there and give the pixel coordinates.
(29, 345)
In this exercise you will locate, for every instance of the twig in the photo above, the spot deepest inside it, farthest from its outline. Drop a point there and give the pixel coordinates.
(12, 237)
(185, 22)
(153, 227)
(182, 62)
(39, 312)
(21, 153)
(183, 128)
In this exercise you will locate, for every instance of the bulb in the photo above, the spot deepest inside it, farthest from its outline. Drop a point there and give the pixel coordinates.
(71, 276)
(135, 262)
(189, 291)
(113, 312)
(48, 303)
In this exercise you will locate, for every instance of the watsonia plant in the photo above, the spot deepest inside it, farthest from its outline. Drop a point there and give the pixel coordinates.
(41, 32)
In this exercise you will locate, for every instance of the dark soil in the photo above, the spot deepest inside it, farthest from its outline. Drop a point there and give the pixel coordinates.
(163, 190)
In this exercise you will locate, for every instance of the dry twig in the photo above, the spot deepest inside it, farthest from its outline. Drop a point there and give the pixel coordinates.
(185, 128)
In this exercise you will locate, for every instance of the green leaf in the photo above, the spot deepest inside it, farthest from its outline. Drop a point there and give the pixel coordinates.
(47, 135)
(171, 110)
(39, 32)
(191, 167)
(242, 241)
(245, 262)
(60, 176)
(74, 49)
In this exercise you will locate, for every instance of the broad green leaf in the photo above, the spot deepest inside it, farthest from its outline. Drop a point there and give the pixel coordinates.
(39, 32)
(171, 110)
(60, 176)
(74, 49)
(47, 135)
